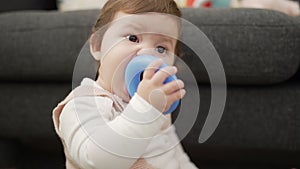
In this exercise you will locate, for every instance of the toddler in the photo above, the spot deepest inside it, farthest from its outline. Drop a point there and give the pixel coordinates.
(98, 123)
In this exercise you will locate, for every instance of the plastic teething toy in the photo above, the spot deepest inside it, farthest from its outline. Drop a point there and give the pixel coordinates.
(134, 72)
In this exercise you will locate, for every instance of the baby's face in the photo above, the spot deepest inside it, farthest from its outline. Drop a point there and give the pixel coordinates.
(129, 36)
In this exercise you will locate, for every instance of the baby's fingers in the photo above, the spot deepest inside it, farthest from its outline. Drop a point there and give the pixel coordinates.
(151, 68)
(176, 95)
(161, 75)
(173, 97)
(173, 86)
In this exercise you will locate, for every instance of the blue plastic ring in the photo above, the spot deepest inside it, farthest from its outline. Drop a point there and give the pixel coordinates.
(134, 71)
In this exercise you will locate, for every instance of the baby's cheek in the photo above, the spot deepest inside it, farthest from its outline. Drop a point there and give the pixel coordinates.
(169, 58)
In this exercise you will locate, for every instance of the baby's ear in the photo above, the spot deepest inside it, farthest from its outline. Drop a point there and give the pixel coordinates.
(95, 47)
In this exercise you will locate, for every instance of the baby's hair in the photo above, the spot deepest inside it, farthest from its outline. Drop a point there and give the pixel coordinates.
(111, 7)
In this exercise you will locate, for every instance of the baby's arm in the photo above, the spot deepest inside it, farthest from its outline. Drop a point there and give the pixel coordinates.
(171, 153)
(182, 157)
(93, 141)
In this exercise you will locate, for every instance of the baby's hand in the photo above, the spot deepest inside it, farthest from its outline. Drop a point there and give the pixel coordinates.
(154, 91)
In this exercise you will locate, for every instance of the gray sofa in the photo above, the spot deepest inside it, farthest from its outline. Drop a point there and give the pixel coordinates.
(260, 51)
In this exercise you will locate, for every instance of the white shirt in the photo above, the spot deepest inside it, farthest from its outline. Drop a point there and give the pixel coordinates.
(98, 136)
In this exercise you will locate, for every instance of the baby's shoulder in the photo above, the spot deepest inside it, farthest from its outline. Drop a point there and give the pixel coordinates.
(89, 104)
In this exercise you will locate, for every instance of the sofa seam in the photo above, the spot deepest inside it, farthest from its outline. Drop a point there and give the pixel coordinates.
(245, 26)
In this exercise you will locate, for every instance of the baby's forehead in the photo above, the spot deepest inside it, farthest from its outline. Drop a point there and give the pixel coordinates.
(155, 23)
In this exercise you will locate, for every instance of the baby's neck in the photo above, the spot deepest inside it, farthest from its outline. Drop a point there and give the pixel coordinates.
(101, 83)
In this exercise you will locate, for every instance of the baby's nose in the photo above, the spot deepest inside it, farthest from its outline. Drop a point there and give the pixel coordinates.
(146, 51)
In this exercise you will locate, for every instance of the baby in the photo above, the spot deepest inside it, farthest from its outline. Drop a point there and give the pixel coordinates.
(99, 124)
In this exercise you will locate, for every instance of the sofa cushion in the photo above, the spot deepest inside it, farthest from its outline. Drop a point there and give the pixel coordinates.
(259, 125)
(255, 46)
(14, 5)
(42, 46)
(297, 75)
(254, 118)
(9, 153)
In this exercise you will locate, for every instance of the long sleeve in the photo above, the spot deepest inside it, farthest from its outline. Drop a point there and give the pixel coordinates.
(183, 158)
(166, 152)
(95, 139)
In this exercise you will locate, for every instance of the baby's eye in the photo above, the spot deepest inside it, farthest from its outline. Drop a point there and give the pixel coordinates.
(161, 49)
(133, 38)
